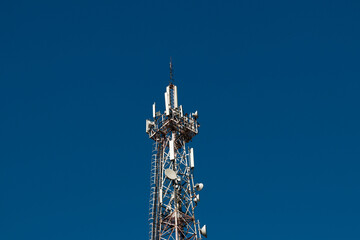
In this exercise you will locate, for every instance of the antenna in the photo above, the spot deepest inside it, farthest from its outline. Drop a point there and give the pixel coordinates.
(171, 72)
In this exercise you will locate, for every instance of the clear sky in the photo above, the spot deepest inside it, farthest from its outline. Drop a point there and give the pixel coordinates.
(276, 84)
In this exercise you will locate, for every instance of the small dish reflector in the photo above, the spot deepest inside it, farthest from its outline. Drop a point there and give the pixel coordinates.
(197, 198)
(199, 186)
(170, 174)
(203, 231)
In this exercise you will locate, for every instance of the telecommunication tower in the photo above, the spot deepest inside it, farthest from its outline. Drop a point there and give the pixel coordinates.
(174, 195)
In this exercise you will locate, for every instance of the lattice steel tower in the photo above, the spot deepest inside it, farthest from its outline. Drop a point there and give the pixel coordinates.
(173, 196)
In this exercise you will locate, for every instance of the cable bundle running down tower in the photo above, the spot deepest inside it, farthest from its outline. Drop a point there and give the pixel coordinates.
(173, 196)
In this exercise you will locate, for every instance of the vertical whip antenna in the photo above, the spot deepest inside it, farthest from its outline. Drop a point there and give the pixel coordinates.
(171, 72)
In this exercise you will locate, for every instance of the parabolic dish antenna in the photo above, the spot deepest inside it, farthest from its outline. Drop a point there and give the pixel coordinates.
(170, 174)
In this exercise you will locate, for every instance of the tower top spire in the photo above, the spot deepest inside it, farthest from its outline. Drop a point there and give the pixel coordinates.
(171, 72)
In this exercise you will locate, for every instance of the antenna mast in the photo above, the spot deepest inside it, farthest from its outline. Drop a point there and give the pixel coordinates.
(171, 72)
(173, 195)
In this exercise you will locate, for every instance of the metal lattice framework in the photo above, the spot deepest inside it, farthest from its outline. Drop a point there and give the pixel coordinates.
(173, 196)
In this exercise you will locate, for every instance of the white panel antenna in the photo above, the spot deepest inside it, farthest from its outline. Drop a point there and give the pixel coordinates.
(175, 97)
(160, 196)
(192, 163)
(154, 110)
(148, 125)
(167, 103)
(171, 150)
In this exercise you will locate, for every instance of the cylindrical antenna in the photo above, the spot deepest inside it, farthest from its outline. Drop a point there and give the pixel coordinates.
(171, 72)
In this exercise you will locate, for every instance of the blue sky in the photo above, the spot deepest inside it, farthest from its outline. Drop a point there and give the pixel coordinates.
(276, 84)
